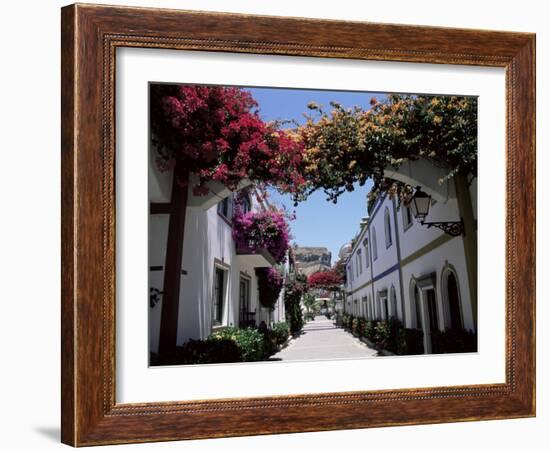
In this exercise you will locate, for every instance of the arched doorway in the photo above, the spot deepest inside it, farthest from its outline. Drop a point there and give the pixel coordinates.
(453, 300)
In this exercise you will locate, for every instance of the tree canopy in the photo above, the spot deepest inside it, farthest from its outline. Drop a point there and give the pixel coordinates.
(218, 133)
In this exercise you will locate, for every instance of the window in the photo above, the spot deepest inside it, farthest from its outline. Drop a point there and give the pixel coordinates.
(374, 244)
(219, 295)
(364, 302)
(387, 227)
(359, 262)
(244, 302)
(453, 300)
(418, 312)
(367, 260)
(407, 217)
(246, 204)
(393, 302)
(384, 308)
(225, 207)
(432, 309)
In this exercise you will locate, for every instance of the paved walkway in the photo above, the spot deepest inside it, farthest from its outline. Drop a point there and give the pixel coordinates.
(321, 339)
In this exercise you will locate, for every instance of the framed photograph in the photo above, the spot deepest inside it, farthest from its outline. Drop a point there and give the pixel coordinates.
(278, 225)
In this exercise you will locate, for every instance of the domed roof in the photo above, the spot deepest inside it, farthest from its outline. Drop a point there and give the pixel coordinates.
(345, 250)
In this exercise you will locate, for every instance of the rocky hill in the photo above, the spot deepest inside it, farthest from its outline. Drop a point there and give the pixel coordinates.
(312, 259)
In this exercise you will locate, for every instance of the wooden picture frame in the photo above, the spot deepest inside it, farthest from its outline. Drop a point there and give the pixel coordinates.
(90, 36)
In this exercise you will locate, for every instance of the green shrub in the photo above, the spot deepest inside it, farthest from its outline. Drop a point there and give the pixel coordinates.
(361, 324)
(355, 325)
(281, 332)
(410, 342)
(369, 330)
(348, 321)
(295, 288)
(382, 332)
(453, 341)
(249, 341)
(209, 351)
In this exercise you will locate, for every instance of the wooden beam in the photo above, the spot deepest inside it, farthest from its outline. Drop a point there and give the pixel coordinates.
(160, 208)
(173, 265)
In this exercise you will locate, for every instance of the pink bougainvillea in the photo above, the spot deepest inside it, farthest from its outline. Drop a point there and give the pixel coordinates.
(264, 229)
(328, 280)
(217, 133)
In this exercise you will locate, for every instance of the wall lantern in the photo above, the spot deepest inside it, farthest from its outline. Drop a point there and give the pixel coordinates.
(420, 206)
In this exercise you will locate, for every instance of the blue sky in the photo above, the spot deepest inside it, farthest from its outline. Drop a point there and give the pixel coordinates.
(318, 222)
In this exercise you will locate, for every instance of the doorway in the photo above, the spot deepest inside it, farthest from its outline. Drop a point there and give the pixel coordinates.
(245, 319)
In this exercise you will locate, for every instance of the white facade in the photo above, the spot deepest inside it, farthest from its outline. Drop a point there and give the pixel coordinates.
(400, 268)
(218, 286)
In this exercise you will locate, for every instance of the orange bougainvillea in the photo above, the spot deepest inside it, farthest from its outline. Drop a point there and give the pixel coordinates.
(350, 145)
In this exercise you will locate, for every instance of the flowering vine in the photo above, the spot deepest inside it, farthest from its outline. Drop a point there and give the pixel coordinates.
(270, 284)
(328, 280)
(351, 145)
(217, 133)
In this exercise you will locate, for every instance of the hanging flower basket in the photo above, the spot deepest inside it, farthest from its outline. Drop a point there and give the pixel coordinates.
(254, 231)
(270, 284)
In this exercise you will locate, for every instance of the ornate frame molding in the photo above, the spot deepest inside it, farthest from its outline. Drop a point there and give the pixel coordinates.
(90, 36)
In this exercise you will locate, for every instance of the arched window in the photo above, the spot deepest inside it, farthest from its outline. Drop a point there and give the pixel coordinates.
(374, 244)
(387, 227)
(451, 294)
(416, 313)
(367, 256)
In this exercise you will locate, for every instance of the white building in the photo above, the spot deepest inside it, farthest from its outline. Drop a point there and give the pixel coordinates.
(422, 276)
(218, 285)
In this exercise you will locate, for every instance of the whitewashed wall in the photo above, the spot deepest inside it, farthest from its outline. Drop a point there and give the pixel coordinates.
(208, 242)
(399, 263)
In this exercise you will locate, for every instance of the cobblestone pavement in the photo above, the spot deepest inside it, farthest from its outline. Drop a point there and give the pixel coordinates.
(321, 339)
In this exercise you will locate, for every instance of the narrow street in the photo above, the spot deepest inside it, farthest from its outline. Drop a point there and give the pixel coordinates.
(321, 339)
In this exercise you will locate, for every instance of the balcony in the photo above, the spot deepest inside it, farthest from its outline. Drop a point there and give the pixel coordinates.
(255, 257)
